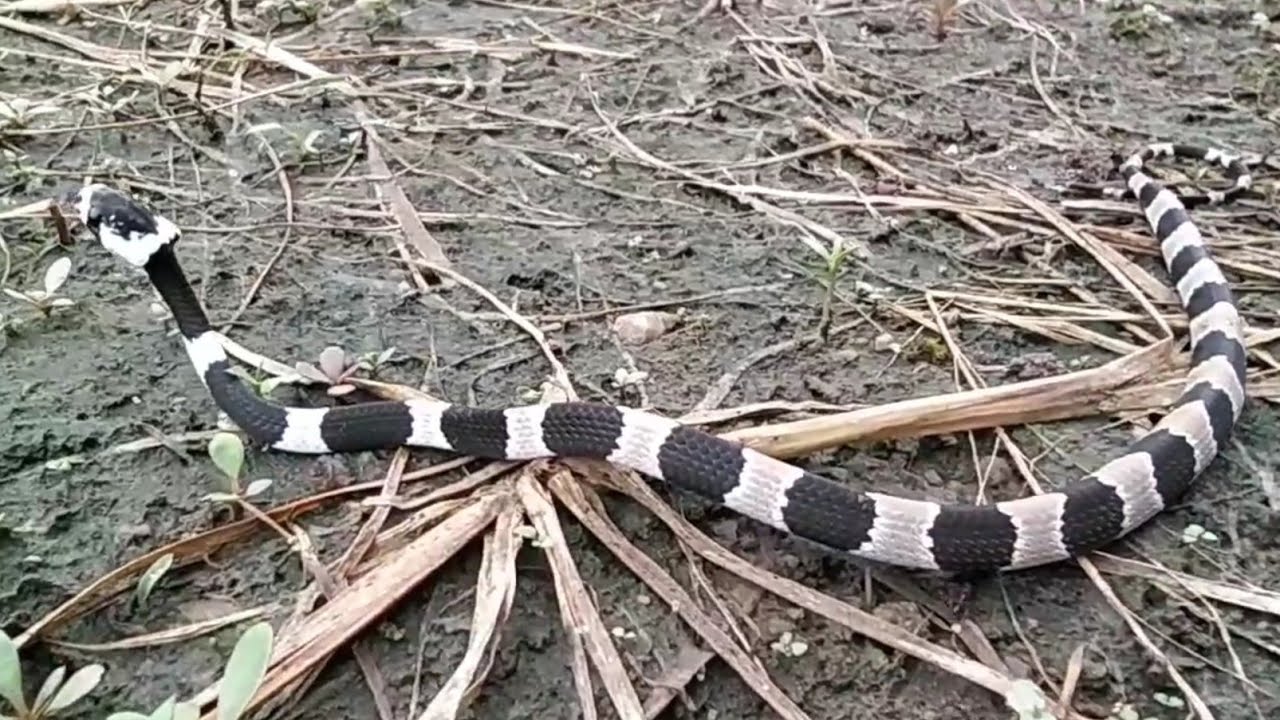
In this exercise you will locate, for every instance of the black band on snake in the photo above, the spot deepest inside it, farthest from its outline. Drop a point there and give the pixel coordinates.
(1030, 531)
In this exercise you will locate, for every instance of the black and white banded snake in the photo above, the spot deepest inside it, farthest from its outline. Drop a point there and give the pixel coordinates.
(1086, 515)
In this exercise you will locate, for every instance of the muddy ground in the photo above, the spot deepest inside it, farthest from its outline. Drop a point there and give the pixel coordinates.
(493, 133)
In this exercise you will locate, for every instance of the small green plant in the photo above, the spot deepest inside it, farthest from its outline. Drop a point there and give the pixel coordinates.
(47, 300)
(264, 386)
(227, 452)
(148, 581)
(302, 147)
(245, 670)
(335, 368)
(240, 681)
(833, 267)
(1194, 533)
(54, 695)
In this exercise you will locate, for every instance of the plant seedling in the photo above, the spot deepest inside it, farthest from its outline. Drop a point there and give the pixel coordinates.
(1194, 533)
(54, 695)
(245, 670)
(335, 368)
(265, 386)
(227, 452)
(148, 581)
(833, 267)
(47, 300)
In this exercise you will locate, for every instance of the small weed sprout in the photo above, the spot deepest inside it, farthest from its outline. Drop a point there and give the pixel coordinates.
(303, 146)
(245, 670)
(1194, 533)
(227, 452)
(334, 368)
(240, 681)
(265, 386)
(833, 267)
(47, 300)
(54, 695)
(148, 581)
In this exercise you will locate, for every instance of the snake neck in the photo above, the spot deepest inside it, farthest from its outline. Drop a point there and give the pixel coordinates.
(168, 279)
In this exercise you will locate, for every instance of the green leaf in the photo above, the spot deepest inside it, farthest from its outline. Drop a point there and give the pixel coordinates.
(47, 689)
(128, 715)
(333, 360)
(56, 275)
(257, 487)
(151, 577)
(11, 675)
(340, 390)
(245, 669)
(227, 452)
(81, 683)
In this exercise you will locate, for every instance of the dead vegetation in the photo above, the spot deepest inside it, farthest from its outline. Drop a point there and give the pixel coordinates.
(216, 73)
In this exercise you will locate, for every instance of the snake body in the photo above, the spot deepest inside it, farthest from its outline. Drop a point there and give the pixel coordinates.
(953, 538)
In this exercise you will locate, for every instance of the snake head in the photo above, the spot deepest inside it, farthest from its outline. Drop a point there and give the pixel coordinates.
(121, 224)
